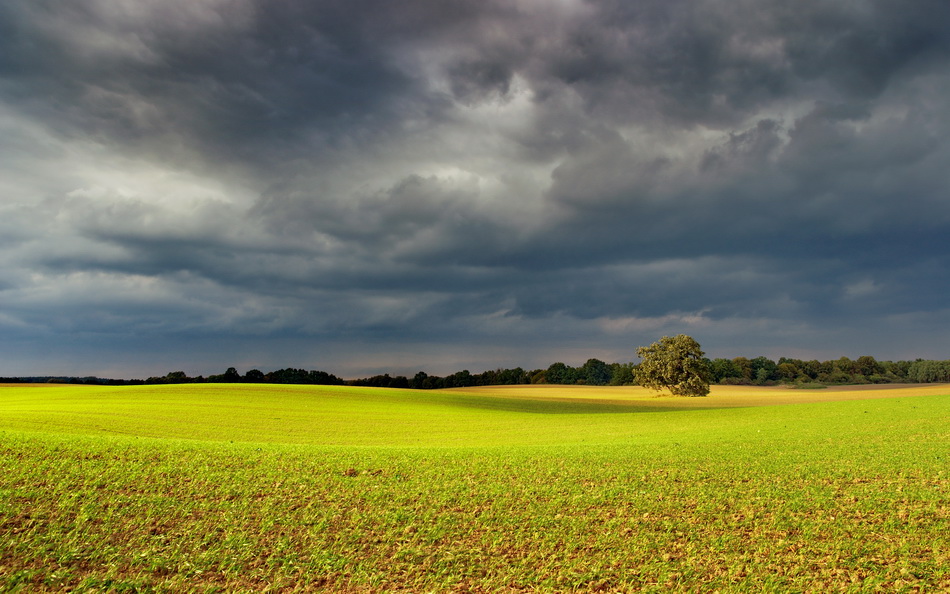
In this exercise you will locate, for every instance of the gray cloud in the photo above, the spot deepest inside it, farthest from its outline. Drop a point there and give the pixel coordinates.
(436, 179)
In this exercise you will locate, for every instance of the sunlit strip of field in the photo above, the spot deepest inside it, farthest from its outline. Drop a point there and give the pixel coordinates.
(719, 397)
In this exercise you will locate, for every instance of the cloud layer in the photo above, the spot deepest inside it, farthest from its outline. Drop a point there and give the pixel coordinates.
(373, 186)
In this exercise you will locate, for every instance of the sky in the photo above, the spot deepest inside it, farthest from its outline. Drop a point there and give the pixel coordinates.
(366, 186)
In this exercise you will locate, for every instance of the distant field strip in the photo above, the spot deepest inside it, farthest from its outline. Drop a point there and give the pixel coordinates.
(330, 415)
(222, 488)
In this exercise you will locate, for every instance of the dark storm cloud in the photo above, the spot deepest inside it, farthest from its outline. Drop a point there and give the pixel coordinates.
(532, 173)
(225, 79)
(712, 62)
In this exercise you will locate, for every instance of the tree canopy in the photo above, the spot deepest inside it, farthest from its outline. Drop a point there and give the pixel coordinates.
(674, 363)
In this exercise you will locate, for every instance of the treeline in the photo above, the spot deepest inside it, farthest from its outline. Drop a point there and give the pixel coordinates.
(760, 371)
(231, 376)
(863, 370)
(595, 373)
(254, 376)
(60, 379)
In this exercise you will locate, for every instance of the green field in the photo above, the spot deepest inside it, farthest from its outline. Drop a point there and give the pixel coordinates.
(222, 488)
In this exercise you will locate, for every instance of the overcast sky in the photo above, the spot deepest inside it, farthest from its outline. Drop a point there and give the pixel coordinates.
(367, 186)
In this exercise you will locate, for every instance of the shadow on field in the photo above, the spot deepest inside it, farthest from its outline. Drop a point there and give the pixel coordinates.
(564, 406)
(539, 400)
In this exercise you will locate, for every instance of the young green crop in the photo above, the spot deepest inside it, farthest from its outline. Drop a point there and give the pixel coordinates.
(371, 490)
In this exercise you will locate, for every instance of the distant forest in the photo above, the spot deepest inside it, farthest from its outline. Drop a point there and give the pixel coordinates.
(760, 371)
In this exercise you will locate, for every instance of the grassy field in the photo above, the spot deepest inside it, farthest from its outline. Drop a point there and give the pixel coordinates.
(227, 488)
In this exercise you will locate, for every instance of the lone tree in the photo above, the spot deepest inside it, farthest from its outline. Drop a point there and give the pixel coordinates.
(676, 364)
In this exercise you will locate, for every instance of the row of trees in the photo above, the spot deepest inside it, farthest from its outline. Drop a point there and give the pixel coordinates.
(926, 372)
(254, 376)
(760, 371)
(459, 379)
(594, 372)
(739, 370)
(863, 370)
